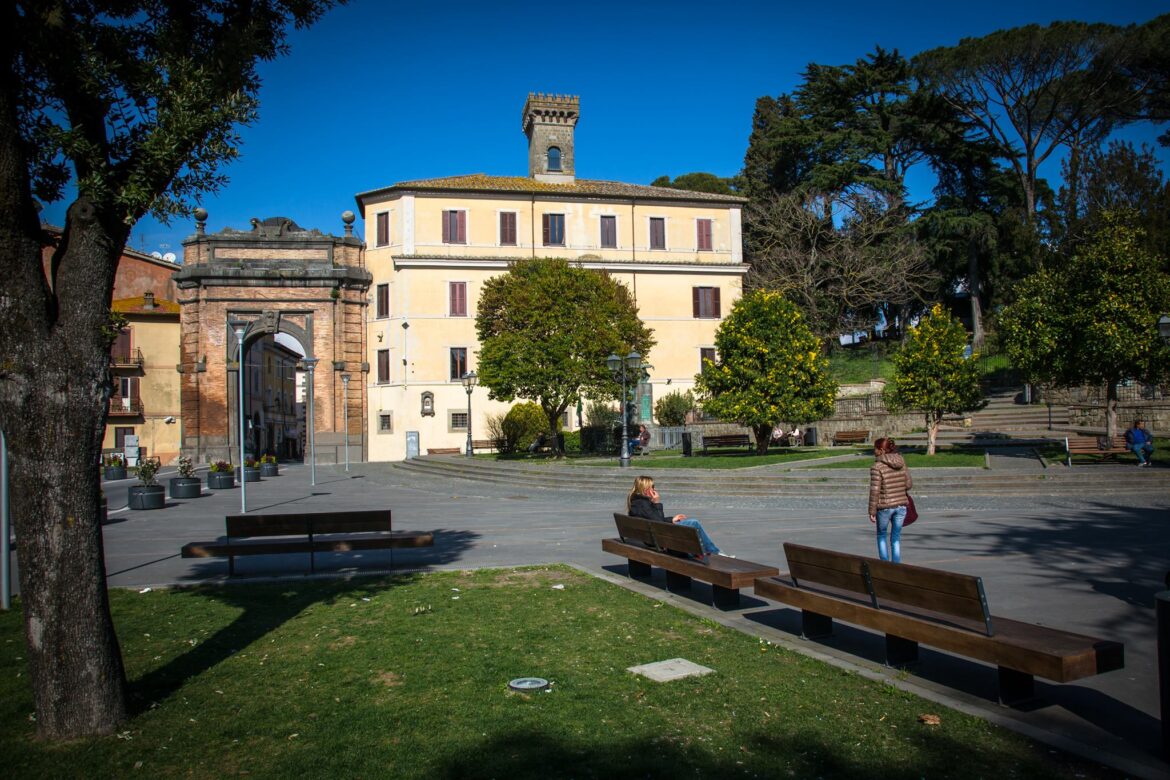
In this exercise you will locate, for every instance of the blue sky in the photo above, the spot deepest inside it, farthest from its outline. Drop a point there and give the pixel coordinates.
(378, 92)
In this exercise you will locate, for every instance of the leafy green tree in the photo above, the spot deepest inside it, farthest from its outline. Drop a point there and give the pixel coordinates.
(933, 374)
(672, 408)
(770, 368)
(135, 105)
(699, 182)
(545, 329)
(1094, 319)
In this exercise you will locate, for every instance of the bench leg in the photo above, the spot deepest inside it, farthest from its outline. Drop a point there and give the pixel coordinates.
(637, 568)
(231, 565)
(1015, 686)
(899, 651)
(675, 581)
(814, 625)
(725, 598)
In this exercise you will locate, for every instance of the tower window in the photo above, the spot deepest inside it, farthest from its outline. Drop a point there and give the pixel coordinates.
(554, 158)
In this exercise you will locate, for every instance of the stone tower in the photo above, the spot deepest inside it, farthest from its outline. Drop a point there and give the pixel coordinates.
(548, 121)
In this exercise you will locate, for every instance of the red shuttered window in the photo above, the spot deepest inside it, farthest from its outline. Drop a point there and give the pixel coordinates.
(703, 235)
(609, 232)
(705, 302)
(657, 232)
(383, 229)
(454, 227)
(457, 295)
(507, 228)
(383, 302)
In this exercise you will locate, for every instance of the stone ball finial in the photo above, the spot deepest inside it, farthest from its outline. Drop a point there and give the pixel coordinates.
(348, 217)
(200, 214)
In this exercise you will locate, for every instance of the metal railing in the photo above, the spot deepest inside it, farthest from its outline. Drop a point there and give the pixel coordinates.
(125, 407)
(131, 359)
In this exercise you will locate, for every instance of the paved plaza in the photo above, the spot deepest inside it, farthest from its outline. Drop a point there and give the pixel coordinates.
(1086, 564)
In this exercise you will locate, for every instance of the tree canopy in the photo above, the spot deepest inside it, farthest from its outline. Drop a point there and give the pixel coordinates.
(545, 329)
(700, 182)
(135, 105)
(769, 368)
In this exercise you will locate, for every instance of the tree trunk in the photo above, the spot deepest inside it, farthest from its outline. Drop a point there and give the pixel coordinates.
(932, 421)
(973, 285)
(1111, 409)
(763, 435)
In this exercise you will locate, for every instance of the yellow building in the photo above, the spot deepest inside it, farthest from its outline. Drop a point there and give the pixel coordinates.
(145, 399)
(431, 244)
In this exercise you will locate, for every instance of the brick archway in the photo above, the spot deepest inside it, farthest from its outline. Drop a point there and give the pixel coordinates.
(277, 278)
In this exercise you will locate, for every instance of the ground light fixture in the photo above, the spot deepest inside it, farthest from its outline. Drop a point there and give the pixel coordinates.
(528, 684)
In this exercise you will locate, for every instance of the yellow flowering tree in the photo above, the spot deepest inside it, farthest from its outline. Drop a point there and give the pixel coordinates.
(769, 368)
(1095, 319)
(933, 374)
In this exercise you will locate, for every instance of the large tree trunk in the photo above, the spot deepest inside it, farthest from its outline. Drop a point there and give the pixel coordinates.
(1111, 408)
(763, 438)
(973, 285)
(932, 421)
(54, 384)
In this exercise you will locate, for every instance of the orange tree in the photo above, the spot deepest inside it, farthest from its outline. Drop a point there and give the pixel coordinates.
(933, 374)
(769, 368)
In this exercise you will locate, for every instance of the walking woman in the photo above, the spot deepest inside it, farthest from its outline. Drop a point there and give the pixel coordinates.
(644, 501)
(889, 483)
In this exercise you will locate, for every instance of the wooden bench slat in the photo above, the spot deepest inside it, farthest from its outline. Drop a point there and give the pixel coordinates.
(634, 529)
(677, 538)
(725, 572)
(850, 437)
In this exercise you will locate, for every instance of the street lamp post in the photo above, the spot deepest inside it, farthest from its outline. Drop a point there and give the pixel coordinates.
(345, 415)
(310, 364)
(239, 327)
(618, 367)
(469, 380)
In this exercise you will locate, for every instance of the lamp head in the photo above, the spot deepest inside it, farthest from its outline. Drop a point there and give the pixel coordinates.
(469, 381)
(614, 363)
(633, 361)
(1164, 328)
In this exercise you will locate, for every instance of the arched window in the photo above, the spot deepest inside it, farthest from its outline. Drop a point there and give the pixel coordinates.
(554, 158)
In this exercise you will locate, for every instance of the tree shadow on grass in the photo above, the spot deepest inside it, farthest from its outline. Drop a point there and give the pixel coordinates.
(265, 606)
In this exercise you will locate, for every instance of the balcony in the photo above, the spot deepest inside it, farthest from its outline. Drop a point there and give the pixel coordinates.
(125, 407)
(131, 359)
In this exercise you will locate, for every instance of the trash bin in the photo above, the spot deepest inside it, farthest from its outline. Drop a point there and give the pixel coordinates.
(686, 442)
(810, 436)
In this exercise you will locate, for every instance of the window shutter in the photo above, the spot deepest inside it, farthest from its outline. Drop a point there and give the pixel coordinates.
(695, 302)
(122, 344)
(544, 220)
(462, 227)
(714, 301)
(446, 227)
(383, 229)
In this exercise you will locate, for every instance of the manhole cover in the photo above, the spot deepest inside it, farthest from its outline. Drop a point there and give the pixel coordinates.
(528, 684)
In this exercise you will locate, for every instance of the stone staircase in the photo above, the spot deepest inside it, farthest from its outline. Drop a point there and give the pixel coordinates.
(1005, 421)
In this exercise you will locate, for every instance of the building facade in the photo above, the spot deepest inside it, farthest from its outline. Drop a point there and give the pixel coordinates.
(431, 244)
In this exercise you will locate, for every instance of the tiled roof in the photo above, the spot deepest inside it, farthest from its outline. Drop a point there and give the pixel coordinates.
(480, 182)
(135, 306)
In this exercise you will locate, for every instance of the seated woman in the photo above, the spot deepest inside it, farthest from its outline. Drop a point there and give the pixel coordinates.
(644, 501)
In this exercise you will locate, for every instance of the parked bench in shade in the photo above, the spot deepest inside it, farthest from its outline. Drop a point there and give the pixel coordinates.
(850, 437)
(443, 451)
(483, 444)
(913, 604)
(306, 532)
(1096, 445)
(727, 440)
(645, 543)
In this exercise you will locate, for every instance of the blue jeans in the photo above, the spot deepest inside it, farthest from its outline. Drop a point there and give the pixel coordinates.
(891, 518)
(1143, 451)
(708, 546)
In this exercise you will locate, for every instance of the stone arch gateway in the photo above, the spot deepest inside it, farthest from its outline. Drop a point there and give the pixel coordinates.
(276, 278)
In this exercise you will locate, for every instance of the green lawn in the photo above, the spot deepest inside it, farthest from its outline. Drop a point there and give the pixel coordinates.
(715, 459)
(407, 678)
(915, 458)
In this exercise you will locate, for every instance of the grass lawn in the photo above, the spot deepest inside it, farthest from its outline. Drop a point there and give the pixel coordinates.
(916, 459)
(715, 459)
(407, 678)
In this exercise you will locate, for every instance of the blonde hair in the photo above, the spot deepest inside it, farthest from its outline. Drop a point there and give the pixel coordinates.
(641, 485)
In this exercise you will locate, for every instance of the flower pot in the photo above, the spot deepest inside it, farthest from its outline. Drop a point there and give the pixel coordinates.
(146, 497)
(269, 470)
(115, 472)
(186, 487)
(217, 480)
(251, 475)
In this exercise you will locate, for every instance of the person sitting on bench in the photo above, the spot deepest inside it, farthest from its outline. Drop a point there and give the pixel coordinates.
(1141, 442)
(644, 501)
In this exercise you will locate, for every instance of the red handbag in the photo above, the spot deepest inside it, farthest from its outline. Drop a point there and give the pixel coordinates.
(911, 511)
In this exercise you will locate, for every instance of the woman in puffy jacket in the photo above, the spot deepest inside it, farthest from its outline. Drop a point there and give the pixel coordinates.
(889, 484)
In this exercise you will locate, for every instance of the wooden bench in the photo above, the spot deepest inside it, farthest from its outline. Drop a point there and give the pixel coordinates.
(727, 440)
(1091, 445)
(912, 604)
(645, 543)
(443, 451)
(306, 532)
(850, 437)
(483, 444)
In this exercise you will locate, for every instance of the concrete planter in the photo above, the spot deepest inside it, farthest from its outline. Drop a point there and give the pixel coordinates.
(186, 487)
(218, 480)
(146, 497)
(115, 472)
(251, 475)
(269, 470)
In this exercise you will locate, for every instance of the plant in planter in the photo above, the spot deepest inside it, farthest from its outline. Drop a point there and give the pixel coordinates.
(268, 467)
(251, 470)
(222, 474)
(150, 494)
(186, 485)
(115, 467)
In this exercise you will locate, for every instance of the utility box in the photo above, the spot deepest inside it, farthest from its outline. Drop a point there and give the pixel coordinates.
(411, 444)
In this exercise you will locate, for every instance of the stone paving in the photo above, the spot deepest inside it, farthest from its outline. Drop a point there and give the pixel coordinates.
(1088, 564)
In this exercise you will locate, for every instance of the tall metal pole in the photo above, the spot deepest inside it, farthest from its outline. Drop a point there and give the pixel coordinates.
(625, 458)
(469, 380)
(310, 364)
(239, 328)
(345, 415)
(5, 551)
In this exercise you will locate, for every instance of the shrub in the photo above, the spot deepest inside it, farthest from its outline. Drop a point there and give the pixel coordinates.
(672, 408)
(573, 441)
(186, 467)
(268, 459)
(147, 469)
(495, 430)
(600, 414)
(523, 424)
(223, 467)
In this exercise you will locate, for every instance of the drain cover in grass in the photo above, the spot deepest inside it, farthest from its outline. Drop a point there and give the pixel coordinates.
(672, 669)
